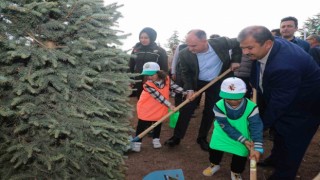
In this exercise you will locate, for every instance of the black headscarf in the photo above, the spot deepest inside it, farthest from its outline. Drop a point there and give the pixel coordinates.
(151, 33)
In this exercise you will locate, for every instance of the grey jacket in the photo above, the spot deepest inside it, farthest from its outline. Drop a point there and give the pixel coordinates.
(244, 69)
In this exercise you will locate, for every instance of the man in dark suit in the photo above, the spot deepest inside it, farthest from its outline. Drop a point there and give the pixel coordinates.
(202, 61)
(289, 81)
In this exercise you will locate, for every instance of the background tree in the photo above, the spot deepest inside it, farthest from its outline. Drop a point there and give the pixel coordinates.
(63, 104)
(173, 41)
(312, 26)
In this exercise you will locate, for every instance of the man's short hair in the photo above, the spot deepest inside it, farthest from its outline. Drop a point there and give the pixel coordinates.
(316, 37)
(200, 34)
(260, 33)
(290, 18)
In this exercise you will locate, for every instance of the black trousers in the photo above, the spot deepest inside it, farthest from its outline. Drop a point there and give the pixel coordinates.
(178, 99)
(238, 163)
(211, 97)
(290, 146)
(143, 125)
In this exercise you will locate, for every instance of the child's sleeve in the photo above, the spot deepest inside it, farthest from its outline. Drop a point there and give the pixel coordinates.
(175, 87)
(256, 130)
(222, 120)
(156, 95)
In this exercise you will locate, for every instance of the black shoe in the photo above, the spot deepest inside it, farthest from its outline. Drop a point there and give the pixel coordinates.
(268, 162)
(203, 144)
(173, 141)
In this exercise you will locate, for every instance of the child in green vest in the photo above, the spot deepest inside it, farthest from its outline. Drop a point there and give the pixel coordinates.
(238, 128)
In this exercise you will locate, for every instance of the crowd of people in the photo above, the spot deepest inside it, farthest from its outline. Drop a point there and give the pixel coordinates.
(284, 71)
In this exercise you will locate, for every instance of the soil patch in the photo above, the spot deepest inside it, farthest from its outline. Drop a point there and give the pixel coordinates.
(192, 160)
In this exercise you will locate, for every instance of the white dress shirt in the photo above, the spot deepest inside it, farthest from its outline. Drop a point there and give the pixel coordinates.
(263, 63)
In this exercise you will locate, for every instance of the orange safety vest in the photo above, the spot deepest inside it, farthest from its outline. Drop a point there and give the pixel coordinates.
(148, 108)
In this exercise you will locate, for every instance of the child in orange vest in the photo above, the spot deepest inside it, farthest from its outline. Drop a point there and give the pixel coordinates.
(154, 101)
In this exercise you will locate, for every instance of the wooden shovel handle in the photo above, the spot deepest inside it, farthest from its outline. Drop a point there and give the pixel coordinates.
(253, 162)
(141, 135)
(317, 177)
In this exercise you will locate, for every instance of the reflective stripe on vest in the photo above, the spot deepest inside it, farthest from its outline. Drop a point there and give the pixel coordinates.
(222, 142)
(148, 108)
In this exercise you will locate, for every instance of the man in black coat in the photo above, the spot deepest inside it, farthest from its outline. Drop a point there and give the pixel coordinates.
(202, 61)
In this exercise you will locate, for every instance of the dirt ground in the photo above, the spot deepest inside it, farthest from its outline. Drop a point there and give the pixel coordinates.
(192, 160)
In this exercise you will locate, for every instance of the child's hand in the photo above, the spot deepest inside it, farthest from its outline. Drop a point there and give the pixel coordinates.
(249, 144)
(172, 107)
(190, 95)
(254, 155)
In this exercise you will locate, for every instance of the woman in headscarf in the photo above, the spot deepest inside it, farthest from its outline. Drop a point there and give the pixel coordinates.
(146, 50)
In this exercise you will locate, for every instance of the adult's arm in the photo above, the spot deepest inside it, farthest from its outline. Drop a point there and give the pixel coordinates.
(229, 51)
(236, 51)
(188, 69)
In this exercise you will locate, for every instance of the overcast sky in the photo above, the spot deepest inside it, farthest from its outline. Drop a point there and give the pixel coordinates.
(223, 17)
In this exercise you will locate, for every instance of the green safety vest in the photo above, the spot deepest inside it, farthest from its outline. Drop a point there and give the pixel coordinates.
(222, 142)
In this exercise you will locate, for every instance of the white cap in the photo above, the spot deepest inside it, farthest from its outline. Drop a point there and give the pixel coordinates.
(233, 88)
(150, 68)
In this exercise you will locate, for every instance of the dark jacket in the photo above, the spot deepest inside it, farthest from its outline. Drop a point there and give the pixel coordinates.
(152, 53)
(178, 69)
(315, 53)
(302, 43)
(291, 83)
(189, 61)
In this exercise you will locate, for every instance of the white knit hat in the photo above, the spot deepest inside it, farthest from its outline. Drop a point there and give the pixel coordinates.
(150, 68)
(233, 88)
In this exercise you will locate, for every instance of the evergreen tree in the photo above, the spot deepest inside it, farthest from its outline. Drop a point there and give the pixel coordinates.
(64, 111)
(173, 41)
(312, 25)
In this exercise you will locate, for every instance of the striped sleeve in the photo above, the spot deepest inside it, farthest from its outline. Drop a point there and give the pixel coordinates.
(157, 95)
(256, 130)
(176, 88)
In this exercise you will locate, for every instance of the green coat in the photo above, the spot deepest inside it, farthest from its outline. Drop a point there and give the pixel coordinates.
(189, 61)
